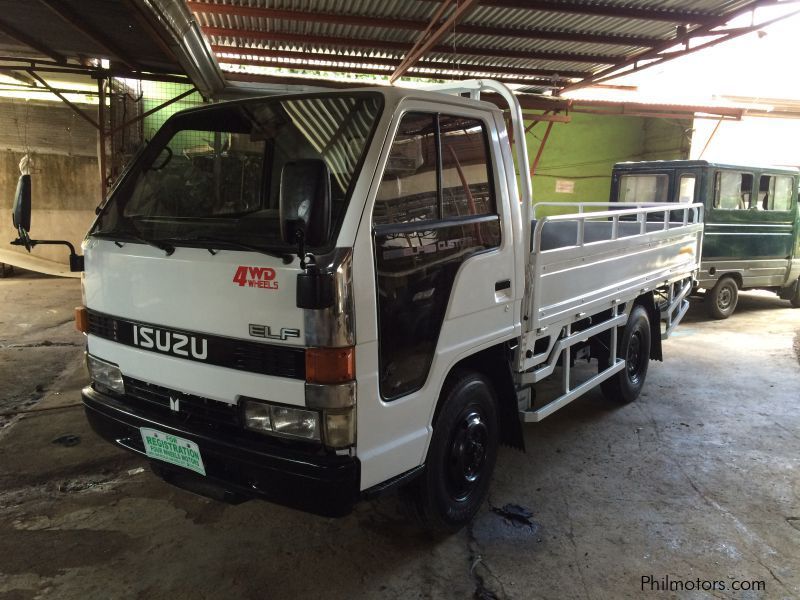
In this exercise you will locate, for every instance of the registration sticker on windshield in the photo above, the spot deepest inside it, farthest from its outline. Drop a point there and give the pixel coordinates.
(172, 449)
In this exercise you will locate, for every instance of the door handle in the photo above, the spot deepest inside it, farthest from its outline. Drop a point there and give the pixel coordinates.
(505, 284)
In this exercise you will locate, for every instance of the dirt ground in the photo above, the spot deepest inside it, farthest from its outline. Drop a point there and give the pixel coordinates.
(697, 481)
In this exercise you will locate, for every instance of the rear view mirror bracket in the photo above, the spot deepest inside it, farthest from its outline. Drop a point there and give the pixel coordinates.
(75, 259)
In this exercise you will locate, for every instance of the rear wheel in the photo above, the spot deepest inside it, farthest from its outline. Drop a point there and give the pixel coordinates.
(634, 347)
(795, 298)
(461, 456)
(722, 298)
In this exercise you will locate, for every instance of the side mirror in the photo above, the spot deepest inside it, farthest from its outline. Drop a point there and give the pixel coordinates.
(21, 218)
(21, 209)
(305, 202)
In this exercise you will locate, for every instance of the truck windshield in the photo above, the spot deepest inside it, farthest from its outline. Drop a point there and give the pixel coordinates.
(214, 173)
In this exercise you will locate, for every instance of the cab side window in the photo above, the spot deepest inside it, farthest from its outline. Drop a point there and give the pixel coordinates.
(409, 188)
(774, 193)
(466, 187)
(732, 190)
(686, 189)
(435, 209)
(644, 188)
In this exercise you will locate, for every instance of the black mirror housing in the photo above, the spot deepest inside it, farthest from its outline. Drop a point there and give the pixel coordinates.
(21, 209)
(315, 289)
(305, 202)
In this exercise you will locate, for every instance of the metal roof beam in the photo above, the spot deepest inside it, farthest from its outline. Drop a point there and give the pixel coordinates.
(606, 10)
(526, 100)
(377, 45)
(243, 52)
(26, 40)
(99, 38)
(257, 12)
(411, 72)
(429, 38)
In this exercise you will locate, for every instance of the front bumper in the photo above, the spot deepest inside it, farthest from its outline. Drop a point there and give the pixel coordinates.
(323, 484)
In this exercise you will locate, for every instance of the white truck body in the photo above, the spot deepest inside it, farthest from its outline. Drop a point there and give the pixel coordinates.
(535, 298)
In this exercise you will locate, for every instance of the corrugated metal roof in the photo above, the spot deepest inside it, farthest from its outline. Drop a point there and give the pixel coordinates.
(546, 43)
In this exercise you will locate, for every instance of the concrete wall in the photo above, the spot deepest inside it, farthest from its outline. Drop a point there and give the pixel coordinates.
(580, 154)
(46, 127)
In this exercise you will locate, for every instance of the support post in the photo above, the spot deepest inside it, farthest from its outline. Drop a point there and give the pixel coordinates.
(101, 136)
(541, 148)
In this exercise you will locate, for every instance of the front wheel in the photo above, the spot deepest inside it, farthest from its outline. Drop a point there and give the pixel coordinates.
(461, 456)
(721, 300)
(634, 347)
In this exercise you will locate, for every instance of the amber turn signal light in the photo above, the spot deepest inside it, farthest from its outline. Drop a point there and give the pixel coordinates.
(330, 365)
(81, 319)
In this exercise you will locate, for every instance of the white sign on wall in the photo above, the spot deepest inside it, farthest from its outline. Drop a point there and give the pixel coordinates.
(565, 186)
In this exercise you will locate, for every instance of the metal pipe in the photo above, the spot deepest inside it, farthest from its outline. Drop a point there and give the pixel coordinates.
(188, 44)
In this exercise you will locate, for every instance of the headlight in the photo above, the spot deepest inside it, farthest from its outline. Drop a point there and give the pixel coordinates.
(105, 375)
(281, 420)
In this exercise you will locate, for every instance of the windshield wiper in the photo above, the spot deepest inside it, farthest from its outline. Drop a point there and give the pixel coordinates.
(205, 239)
(134, 237)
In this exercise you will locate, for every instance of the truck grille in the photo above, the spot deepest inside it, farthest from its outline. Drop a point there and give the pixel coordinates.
(193, 410)
(103, 326)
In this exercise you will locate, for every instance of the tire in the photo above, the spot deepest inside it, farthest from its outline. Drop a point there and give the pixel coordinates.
(721, 300)
(634, 345)
(461, 456)
(794, 300)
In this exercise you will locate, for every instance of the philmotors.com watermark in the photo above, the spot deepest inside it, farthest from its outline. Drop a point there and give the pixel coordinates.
(651, 583)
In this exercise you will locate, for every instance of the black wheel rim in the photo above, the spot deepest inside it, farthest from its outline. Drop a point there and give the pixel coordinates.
(467, 455)
(724, 298)
(634, 357)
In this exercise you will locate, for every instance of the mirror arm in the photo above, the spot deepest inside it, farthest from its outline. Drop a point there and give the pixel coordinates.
(75, 260)
(300, 238)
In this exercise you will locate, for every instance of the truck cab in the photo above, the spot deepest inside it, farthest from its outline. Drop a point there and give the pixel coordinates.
(198, 298)
(751, 220)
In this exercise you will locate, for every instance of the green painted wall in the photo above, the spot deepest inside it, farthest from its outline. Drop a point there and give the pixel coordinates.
(582, 153)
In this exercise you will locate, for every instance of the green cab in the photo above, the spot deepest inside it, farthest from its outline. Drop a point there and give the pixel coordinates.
(751, 219)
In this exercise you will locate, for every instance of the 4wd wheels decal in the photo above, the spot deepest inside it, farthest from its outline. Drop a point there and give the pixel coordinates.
(258, 277)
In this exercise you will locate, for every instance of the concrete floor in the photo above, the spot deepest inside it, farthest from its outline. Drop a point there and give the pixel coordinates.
(697, 479)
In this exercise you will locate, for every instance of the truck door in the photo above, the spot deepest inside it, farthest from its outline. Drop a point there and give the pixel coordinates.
(444, 276)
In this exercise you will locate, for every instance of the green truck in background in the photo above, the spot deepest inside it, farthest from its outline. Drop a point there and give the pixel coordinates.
(751, 219)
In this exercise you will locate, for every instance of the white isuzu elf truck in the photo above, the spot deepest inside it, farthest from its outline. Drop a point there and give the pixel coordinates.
(314, 298)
